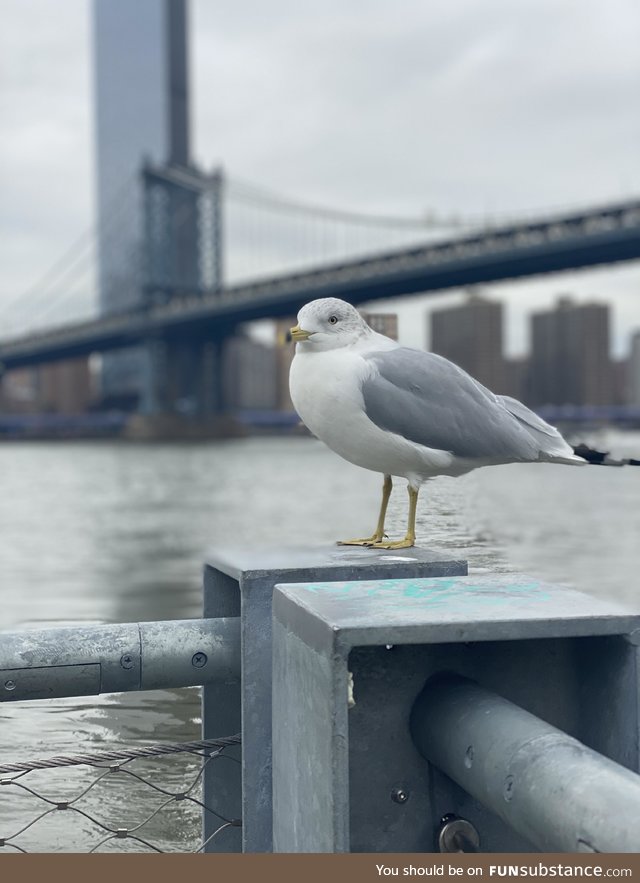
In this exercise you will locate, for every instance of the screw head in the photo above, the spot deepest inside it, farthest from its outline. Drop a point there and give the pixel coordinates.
(457, 835)
(399, 795)
(199, 660)
(126, 661)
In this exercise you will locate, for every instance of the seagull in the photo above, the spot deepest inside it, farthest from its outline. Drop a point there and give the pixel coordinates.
(404, 412)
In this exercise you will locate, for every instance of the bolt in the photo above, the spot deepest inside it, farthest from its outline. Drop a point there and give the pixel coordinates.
(399, 795)
(199, 660)
(126, 661)
(9, 685)
(509, 785)
(457, 835)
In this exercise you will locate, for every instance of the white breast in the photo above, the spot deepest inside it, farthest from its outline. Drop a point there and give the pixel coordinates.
(326, 392)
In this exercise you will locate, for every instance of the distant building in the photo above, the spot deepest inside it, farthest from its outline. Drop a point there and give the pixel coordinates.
(64, 387)
(633, 371)
(18, 391)
(383, 323)
(284, 353)
(141, 116)
(470, 334)
(248, 374)
(620, 382)
(516, 373)
(570, 361)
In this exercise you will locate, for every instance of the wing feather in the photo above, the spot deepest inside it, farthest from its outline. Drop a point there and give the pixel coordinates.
(432, 402)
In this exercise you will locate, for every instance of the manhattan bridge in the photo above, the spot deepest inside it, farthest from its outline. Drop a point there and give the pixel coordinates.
(212, 253)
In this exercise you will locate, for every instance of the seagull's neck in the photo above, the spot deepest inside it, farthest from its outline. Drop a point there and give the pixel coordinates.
(370, 341)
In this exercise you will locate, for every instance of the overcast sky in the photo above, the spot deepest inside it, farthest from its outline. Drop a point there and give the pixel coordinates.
(388, 106)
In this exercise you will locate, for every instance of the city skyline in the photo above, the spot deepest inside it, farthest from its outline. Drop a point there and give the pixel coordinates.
(580, 125)
(569, 359)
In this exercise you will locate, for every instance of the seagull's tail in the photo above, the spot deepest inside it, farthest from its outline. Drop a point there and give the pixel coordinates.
(551, 445)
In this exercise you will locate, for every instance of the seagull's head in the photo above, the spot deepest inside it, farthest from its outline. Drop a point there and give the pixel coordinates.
(327, 324)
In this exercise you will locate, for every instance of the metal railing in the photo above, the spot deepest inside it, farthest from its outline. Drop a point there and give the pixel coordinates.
(87, 661)
(548, 786)
(353, 635)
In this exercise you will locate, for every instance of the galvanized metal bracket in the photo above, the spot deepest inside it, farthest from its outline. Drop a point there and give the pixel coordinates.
(241, 581)
(557, 653)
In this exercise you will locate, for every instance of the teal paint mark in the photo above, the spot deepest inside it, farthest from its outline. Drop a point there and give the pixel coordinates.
(435, 591)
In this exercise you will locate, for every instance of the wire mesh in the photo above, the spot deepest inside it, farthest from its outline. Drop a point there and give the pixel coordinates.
(154, 817)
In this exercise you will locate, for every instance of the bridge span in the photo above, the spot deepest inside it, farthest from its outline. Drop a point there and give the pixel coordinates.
(598, 236)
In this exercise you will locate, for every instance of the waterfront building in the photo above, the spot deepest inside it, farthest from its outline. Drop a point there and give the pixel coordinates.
(633, 371)
(383, 323)
(570, 361)
(249, 375)
(285, 351)
(471, 335)
(62, 387)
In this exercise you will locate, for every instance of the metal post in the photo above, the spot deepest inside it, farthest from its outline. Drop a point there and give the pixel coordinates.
(242, 579)
(552, 789)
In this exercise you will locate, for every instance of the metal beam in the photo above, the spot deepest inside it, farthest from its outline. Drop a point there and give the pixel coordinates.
(550, 788)
(88, 660)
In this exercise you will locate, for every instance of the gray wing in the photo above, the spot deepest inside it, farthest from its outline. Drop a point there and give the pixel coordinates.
(432, 402)
(551, 442)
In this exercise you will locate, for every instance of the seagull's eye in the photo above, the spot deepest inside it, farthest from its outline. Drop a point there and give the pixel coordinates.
(333, 320)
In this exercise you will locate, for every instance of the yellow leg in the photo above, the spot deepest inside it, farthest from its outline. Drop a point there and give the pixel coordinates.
(379, 533)
(410, 539)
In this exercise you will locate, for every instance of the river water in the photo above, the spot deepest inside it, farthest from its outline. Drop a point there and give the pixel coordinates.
(107, 532)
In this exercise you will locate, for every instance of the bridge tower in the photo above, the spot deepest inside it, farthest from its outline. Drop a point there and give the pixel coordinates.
(159, 217)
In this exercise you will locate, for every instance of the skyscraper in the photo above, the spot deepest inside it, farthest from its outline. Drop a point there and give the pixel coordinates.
(141, 92)
(470, 334)
(141, 116)
(570, 361)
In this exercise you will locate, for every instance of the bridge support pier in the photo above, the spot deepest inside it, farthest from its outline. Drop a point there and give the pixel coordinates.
(182, 391)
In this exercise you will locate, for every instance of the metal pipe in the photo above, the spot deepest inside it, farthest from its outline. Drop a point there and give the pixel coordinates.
(88, 660)
(550, 788)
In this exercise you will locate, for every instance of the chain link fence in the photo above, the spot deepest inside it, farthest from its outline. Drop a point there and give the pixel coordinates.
(120, 800)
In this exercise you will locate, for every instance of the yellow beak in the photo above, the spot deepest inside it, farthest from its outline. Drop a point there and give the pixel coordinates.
(297, 333)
